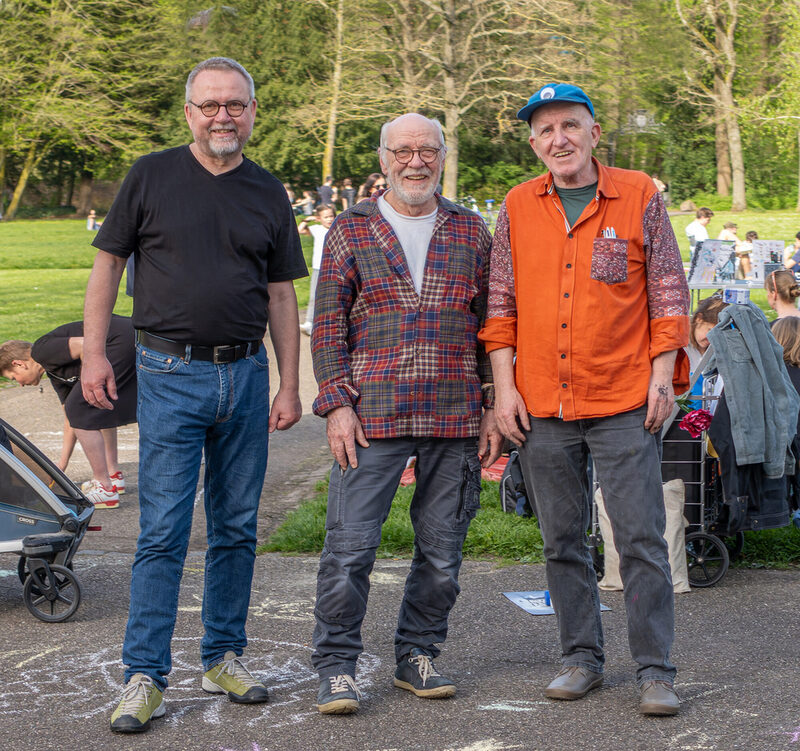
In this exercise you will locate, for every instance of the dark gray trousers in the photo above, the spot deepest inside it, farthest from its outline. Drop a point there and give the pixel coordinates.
(627, 460)
(445, 501)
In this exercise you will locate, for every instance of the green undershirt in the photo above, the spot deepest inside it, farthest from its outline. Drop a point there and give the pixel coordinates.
(575, 200)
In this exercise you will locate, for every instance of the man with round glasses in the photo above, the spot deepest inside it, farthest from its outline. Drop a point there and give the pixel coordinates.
(216, 250)
(401, 295)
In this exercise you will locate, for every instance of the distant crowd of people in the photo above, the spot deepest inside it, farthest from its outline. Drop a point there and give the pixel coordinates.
(330, 194)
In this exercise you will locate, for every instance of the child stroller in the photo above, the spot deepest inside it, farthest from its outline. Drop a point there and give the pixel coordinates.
(43, 518)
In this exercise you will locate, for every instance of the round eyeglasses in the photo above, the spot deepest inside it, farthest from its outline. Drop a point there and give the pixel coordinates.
(428, 154)
(210, 108)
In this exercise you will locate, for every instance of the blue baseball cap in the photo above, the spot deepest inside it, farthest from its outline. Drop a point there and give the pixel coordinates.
(554, 92)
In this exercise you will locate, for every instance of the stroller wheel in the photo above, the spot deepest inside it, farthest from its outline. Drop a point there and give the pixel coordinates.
(22, 569)
(707, 558)
(52, 595)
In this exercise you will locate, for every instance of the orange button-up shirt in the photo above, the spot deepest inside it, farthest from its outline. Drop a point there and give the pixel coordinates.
(586, 307)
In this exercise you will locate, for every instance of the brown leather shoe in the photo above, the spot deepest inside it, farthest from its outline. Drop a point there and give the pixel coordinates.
(658, 698)
(573, 682)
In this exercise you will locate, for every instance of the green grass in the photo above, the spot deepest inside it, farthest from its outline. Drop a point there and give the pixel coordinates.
(44, 266)
(771, 548)
(35, 301)
(492, 534)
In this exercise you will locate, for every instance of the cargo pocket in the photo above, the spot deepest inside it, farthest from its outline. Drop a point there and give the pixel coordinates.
(609, 260)
(469, 501)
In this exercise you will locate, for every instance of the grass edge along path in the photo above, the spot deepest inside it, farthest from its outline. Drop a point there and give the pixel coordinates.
(493, 534)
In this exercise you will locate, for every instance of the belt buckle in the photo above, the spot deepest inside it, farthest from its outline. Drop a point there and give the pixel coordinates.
(224, 354)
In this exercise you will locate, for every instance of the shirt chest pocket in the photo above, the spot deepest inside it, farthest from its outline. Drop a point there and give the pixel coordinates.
(609, 260)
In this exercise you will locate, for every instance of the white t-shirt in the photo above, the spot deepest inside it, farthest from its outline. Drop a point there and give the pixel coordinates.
(318, 232)
(696, 232)
(414, 233)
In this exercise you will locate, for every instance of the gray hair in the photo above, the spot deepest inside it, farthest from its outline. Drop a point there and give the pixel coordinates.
(433, 121)
(219, 63)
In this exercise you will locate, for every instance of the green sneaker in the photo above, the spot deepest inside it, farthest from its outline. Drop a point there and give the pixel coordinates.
(232, 678)
(141, 702)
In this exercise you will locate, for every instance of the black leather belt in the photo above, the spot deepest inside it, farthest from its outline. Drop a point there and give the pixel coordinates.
(222, 353)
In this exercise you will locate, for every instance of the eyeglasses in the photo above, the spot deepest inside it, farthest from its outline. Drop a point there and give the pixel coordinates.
(210, 108)
(428, 154)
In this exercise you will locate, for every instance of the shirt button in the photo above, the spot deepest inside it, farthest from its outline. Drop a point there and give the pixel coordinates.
(563, 357)
(563, 385)
(570, 235)
(569, 265)
(566, 294)
(563, 325)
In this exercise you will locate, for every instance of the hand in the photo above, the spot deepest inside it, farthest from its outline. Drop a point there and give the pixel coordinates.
(660, 401)
(97, 382)
(511, 413)
(490, 439)
(286, 410)
(344, 431)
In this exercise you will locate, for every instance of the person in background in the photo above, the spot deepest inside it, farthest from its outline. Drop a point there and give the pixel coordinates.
(327, 193)
(325, 215)
(792, 254)
(91, 221)
(374, 182)
(782, 293)
(787, 333)
(697, 231)
(58, 353)
(348, 193)
(743, 268)
(289, 192)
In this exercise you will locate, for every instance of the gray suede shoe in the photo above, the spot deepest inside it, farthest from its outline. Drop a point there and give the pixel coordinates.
(658, 698)
(573, 682)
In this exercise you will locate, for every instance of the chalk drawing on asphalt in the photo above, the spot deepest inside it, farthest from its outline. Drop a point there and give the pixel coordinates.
(87, 685)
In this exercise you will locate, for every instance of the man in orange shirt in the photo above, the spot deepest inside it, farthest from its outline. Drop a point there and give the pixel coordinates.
(587, 290)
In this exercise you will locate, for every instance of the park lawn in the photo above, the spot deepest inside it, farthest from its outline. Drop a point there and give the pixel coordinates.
(44, 266)
(35, 301)
(492, 534)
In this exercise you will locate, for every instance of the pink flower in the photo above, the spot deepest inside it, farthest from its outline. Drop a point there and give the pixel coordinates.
(696, 422)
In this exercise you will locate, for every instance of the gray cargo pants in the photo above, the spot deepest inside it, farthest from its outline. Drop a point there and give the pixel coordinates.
(445, 501)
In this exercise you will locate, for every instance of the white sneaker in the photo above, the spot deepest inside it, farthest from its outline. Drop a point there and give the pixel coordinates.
(100, 497)
(306, 328)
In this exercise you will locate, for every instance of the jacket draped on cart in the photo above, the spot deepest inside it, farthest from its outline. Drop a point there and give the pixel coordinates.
(760, 396)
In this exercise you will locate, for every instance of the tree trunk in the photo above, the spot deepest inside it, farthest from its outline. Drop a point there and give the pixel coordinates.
(85, 194)
(336, 83)
(797, 208)
(452, 116)
(31, 161)
(2, 179)
(721, 147)
(739, 202)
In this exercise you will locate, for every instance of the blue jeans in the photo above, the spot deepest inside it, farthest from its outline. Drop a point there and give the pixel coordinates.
(446, 498)
(187, 408)
(628, 464)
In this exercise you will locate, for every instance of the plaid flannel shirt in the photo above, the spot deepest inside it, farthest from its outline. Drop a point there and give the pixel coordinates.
(410, 365)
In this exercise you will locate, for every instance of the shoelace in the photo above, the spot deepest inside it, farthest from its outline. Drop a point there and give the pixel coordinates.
(235, 668)
(425, 667)
(342, 683)
(135, 695)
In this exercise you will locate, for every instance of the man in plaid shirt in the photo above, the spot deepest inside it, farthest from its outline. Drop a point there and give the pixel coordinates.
(401, 295)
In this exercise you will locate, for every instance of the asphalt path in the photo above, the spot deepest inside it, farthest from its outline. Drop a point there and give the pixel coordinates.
(736, 649)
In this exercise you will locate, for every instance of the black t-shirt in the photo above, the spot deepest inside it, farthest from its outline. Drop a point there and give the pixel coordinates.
(205, 246)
